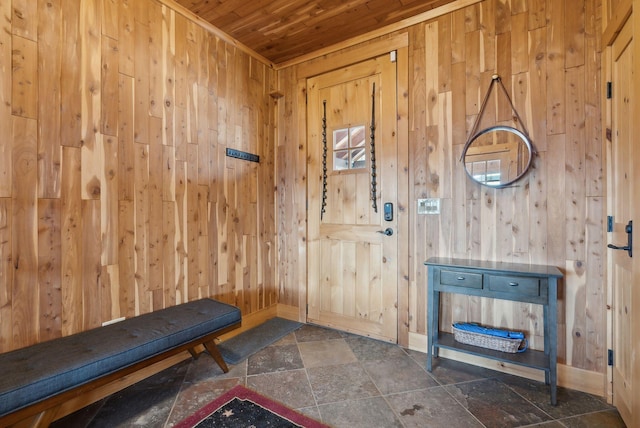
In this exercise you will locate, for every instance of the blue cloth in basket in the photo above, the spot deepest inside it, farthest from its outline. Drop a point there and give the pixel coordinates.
(496, 332)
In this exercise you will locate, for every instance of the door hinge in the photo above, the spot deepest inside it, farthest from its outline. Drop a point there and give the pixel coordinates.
(307, 309)
(609, 90)
(393, 56)
(609, 223)
(610, 357)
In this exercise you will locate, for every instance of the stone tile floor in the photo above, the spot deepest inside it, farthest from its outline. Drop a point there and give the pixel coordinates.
(350, 381)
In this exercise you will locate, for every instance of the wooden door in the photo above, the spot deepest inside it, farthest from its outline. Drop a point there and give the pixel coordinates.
(620, 170)
(352, 279)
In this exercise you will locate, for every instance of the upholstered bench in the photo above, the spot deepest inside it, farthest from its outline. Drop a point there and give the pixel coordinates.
(38, 381)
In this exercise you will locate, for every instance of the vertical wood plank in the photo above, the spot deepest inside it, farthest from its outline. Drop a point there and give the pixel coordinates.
(141, 87)
(110, 86)
(126, 259)
(156, 68)
(125, 138)
(473, 95)
(537, 87)
(90, 70)
(155, 206)
(126, 37)
(556, 107)
(72, 318)
(503, 16)
(168, 75)
(141, 246)
(593, 99)
(575, 190)
(488, 36)
(25, 233)
(91, 265)
(5, 102)
(49, 263)
(6, 276)
(444, 53)
(109, 203)
(24, 19)
(110, 21)
(24, 94)
(574, 34)
(519, 44)
(70, 81)
(458, 52)
(49, 74)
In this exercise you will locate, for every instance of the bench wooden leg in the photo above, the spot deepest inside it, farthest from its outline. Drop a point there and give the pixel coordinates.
(217, 356)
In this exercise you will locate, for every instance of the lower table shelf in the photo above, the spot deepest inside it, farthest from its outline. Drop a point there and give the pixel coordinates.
(529, 358)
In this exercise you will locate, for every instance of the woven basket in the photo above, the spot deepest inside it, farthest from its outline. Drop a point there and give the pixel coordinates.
(503, 344)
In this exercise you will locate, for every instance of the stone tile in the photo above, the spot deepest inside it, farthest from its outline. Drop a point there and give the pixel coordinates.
(205, 368)
(347, 394)
(366, 349)
(550, 424)
(289, 339)
(80, 419)
(273, 359)
(311, 412)
(496, 405)
(365, 413)
(431, 408)
(570, 402)
(137, 407)
(342, 382)
(398, 374)
(326, 353)
(194, 396)
(290, 388)
(309, 333)
(448, 372)
(607, 419)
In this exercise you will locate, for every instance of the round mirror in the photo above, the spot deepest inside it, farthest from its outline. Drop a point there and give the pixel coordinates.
(497, 156)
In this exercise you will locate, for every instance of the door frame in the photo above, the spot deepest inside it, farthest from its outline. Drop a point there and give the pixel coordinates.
(614, 26)
(362, 52)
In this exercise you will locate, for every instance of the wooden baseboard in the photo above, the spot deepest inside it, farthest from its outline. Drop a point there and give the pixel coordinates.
(568, 377)
(291, 313)
(250, 321)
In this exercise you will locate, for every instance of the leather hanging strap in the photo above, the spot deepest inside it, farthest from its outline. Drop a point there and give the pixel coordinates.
(495, 79)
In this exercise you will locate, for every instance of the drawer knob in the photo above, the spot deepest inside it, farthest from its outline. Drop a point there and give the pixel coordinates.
(513, 284)
(461, 278)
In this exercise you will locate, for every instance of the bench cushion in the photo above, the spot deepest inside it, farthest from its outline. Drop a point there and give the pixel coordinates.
(48, 368)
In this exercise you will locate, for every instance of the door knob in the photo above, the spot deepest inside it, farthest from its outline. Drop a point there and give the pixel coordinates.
(629, 229)
(388, 231)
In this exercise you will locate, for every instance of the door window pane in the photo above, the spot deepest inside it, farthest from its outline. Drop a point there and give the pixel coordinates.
(349, 151)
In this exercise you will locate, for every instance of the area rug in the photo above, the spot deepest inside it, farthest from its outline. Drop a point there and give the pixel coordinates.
(241, 407)
(245, 344)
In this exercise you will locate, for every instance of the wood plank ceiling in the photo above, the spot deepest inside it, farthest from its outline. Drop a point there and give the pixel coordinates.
(281, 30)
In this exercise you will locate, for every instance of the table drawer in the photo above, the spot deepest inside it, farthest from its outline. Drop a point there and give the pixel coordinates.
(519, 285)
(461, 279)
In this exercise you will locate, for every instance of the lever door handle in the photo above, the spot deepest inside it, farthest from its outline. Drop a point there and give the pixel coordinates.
(629, 230)
(388, 231)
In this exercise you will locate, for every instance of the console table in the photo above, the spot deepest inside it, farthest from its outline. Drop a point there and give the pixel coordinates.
(527, 283)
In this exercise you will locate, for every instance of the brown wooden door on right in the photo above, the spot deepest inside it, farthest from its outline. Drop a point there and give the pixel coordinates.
(621, 188)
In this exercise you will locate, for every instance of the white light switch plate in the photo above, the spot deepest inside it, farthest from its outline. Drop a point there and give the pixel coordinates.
(429, 206)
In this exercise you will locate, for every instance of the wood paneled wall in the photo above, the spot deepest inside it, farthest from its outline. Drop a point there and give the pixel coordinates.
(548, 56)
(116, 197)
